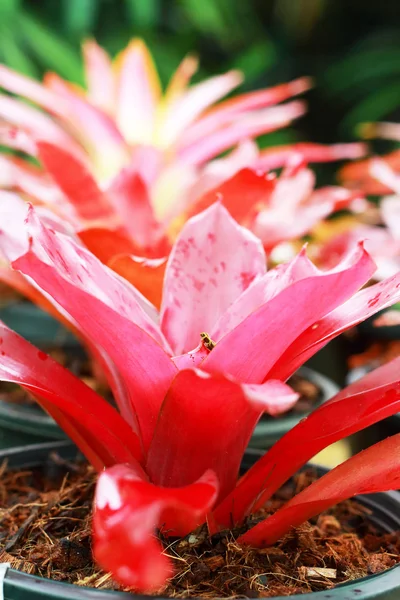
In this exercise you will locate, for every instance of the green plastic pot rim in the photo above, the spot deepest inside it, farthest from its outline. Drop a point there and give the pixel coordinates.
(20, 586)
(270, 430)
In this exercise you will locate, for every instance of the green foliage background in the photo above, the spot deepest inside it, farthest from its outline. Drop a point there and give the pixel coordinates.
(350, 47)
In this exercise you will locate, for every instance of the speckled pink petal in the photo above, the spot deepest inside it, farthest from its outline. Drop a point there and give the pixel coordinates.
(213, 261)
(262, 291)
(249, 351)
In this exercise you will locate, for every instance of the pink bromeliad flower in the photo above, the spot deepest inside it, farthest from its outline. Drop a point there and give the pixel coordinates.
(359, 175)
(125, 158)
(382, 242)
(214, 359)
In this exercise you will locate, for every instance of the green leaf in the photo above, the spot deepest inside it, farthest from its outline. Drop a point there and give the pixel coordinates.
(375, 107)
(14, 56)
(9, 9)
(143, 14)
(255, 61)
(80, 16)
(361, 67)
(54, 53)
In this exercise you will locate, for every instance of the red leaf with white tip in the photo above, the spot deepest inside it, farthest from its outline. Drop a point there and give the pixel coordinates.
(128, 510)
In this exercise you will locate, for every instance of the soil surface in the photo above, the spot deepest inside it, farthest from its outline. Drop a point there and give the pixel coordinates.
(45, 529)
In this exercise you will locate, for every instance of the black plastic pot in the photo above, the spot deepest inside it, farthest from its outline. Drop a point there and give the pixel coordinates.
(369, 333)
(36, 326)
(269, 430)
(29, 423)
(20, 586)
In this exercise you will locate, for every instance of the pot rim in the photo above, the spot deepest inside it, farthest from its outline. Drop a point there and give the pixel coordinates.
(21, 583)
(269, 430)
(28, 419)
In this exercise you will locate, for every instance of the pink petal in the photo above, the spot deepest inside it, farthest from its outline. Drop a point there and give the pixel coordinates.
(187, 441)
(36, 123)
(97, 129)
(390, 208)
(213, 261)
(247, 126)
(138, 93)
(189, 106)
(361, 404)
(276, 324)
(107, 311)
(30, 89)
(262, 291)
(274, 226)
(99, 76)
(131, 199)
(376, 469)
(277, 156)
(128, 510)
(361, 306)
(233, 108)
(381, 171)
(17, 139)
(90, 421)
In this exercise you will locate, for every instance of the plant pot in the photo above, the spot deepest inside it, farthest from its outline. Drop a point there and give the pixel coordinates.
(369, 333)
(22, 423)
(385, 509)
(36, 326)
(269, 430)
(331, 360)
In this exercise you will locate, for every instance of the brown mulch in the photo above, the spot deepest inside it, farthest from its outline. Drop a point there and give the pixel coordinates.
(45, 530)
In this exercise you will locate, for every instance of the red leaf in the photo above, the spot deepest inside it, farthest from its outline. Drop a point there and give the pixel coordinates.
(128, 509)
(90, 421)
(376, 469)
(239, 194)
(76, 182)
(198, 407)
(108, 313)
(367, 401)
(361, 306)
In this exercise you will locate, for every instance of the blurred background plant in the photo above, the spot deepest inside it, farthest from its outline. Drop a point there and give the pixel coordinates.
(352, 49)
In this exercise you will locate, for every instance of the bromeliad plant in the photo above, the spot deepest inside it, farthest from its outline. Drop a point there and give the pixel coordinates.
(123, 160)
(383, 239)
(214, 360)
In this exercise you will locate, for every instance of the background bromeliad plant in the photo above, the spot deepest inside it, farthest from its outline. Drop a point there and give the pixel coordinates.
(127, 180)
(176, 386)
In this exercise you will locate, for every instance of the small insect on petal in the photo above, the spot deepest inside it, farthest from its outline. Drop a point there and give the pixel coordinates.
(207, 341)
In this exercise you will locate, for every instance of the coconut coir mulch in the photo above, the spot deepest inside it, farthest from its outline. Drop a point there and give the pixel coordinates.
(45, 530)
